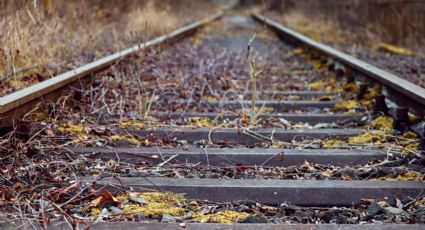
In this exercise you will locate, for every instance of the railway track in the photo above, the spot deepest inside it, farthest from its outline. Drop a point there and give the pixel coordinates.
(325, 145)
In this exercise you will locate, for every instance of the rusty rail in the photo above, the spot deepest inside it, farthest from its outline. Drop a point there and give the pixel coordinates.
(403, 92)
(15, 105)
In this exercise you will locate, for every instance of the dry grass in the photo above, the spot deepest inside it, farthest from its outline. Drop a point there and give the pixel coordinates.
(305, 25)
(397, 22)
(42, 38)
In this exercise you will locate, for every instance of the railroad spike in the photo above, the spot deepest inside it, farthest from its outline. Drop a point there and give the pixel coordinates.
(401, 120)
(379, 105)
(339, 70)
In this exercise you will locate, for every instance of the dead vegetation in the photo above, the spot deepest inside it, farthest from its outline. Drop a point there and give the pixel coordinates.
(394, 22)
(42, 38)
(388, 34)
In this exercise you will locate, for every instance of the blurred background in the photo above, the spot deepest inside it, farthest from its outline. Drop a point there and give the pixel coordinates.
(40, 38)
(393, 21)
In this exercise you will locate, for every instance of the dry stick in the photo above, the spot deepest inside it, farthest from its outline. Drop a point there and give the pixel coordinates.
(146, 37)
(168, 160)
(140, 97)
(150, 104)
(188, 103)
(206, 156)
(253, 73)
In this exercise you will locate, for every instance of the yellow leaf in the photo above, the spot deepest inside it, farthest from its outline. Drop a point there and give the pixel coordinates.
(383, 123)
(410, 135)
(408, 176)
(39, 116)
(78, 131)
(294, 97)
(376, 138)
(414, 118)
(71, 128)
(222, 217)
(372, 92)
(133, 124)
(346, 105)
(263, 109)
(318, 85)
(410, 148)
(346, 177)
(420, 202)
(350, 87)
(394, 49)
(200, 122)
(298, 51)
(132, 140)
(210, 98)
(158, 203)
(333, 144)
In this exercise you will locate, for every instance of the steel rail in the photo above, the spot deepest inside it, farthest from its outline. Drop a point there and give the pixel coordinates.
(14, 101)
(406, 92)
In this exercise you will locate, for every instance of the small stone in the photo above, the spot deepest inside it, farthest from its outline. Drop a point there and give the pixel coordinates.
(395, 211)
(242, 208)
(253, 219)
(116, 211)
(167, 218)
(138, 200)
(182, 142)
(182, 225)
(374, 209)
(199, 142)
(325, 125)
(383, 204)
(183, 218)
(313, 146)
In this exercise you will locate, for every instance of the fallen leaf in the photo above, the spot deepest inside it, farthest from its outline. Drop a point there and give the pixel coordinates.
(346, 105)
(241, 168)
(394, 49)
(104, 196)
